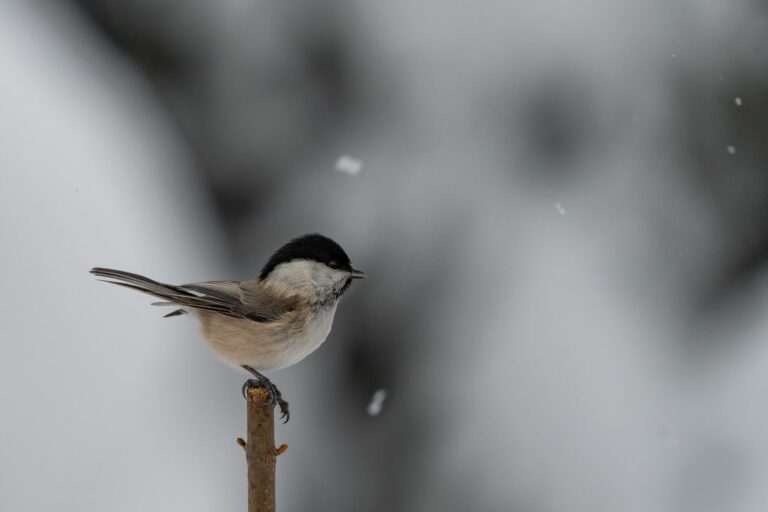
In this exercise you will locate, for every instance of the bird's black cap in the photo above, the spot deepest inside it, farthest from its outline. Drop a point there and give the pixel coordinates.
(312, 246)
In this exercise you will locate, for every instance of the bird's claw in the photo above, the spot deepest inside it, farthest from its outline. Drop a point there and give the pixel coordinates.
(258, 383)
(285, 414)
(275, 397)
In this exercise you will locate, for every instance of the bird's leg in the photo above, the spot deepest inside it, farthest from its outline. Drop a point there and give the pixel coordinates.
(260, 381)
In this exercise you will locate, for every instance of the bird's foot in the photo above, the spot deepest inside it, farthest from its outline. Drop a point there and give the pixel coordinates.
(275, 397)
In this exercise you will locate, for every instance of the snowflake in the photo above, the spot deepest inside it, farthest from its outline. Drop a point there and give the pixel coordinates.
(377, 402)
(349, 165)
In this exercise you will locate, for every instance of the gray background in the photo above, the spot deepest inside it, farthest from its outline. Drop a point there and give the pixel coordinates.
(613, 357)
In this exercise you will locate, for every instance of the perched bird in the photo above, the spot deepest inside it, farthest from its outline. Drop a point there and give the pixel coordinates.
(268, 323)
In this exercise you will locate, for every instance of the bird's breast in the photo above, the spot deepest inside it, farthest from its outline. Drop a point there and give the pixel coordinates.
(307, 340)
(267, 345)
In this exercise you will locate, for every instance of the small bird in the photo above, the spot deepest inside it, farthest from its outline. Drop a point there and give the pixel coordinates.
(269, 323)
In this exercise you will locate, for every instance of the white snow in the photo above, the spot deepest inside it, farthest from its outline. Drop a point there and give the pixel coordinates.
(349, 165)
(377, 402)
(560, 208)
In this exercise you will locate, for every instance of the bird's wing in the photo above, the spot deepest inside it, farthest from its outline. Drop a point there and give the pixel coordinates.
(250, 300)
(247, 299)
(223, 289)
(223, 295)
(264, 304)
(168, 292)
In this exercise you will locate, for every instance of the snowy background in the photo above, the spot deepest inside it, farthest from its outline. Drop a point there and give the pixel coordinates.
(562, 208)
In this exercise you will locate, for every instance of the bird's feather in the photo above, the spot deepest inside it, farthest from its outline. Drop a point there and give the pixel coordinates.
(253, 302)
(247, 299)
(264, 304)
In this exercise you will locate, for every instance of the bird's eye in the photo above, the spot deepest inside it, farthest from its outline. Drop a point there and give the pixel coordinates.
(333, 264)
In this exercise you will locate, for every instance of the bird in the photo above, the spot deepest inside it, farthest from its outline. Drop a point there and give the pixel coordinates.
(267, 323)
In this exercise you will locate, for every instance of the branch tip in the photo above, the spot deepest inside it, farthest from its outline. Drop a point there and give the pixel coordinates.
(259, 395)
(281, 449)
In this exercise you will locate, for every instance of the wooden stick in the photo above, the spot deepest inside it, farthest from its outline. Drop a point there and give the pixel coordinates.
(260, 451)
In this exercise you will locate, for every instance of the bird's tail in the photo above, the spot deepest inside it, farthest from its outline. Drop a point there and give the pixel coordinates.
(172, 295)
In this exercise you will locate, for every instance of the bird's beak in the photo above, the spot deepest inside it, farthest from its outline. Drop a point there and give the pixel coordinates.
(358, 274)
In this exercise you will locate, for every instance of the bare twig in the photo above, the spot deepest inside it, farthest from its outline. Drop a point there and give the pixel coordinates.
(260, 451)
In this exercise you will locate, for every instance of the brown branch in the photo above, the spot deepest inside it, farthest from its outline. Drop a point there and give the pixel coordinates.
(260, 451)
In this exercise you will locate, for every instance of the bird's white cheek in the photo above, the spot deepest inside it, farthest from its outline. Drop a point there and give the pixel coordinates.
(328, 279)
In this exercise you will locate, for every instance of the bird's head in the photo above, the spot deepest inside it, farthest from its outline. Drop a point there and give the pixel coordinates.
(312, 266)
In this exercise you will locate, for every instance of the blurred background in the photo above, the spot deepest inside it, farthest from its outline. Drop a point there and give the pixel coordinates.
(562, 208)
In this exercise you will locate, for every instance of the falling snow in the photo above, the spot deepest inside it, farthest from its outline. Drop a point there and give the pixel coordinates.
(737, 101)
(377, 402)
(349, 165)
(731, 150)
(560, 208)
